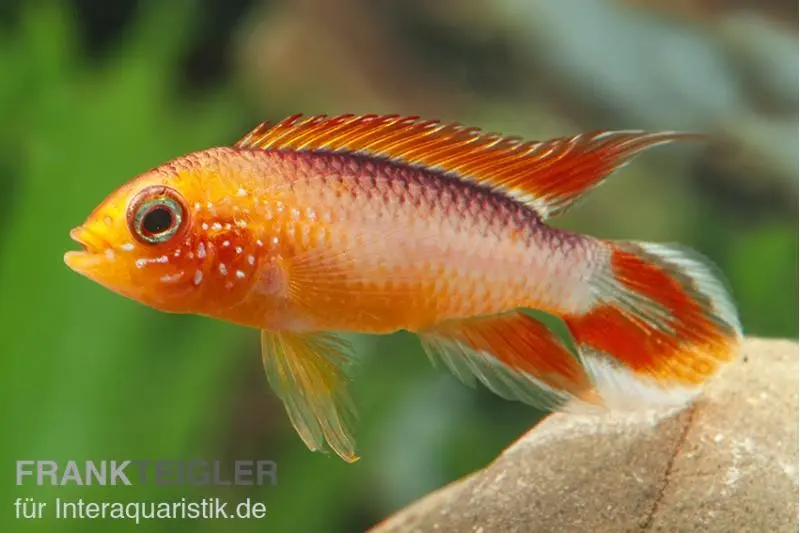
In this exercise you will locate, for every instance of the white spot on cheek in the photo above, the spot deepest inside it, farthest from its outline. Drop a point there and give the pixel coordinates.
(110, 255)
(295, 213)
(198, 277)
(144, 261)
(201, 250)
(228, 226)
(251, 260)
(197, 206)
(275, 241)
(240, 274)
(209, 205)
(126, 247)
(177, 253)
(225, 244)
(171, 278)
(216, 226)
(204, 226)
(223, 269)
(238, 249)
(240, 223)
(259, 243)
(241, 192)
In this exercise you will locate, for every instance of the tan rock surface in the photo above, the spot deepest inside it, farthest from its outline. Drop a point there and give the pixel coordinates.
(726, 464)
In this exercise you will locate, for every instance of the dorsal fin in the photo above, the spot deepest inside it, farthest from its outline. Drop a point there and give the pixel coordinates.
(549, 176)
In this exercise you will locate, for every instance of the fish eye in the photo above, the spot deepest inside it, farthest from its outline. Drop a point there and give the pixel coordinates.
(156, 214)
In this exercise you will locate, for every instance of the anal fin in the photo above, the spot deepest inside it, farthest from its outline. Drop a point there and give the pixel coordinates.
(308, 372)
(516, 356)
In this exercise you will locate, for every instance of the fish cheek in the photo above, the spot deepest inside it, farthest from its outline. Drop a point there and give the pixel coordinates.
(163, 281)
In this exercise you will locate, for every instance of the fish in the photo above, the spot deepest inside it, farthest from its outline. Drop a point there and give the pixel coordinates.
(317, 225)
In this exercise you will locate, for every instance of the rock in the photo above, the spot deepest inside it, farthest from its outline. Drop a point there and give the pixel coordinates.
(727, 463)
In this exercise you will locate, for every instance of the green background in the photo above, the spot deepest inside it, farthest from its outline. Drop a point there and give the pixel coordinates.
(93, 93)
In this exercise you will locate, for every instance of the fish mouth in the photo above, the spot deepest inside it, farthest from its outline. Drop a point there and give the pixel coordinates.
(89, 241)
(93, 249)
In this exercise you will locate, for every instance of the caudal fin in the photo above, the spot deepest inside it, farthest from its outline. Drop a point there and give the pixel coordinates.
(661, 325)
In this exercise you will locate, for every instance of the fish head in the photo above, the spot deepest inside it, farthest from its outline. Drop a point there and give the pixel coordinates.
(160, 239)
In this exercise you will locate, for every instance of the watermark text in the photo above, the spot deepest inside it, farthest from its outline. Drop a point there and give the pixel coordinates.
(137, 511)
(196, 472)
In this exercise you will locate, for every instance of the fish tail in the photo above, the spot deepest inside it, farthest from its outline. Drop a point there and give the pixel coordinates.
(661, 323)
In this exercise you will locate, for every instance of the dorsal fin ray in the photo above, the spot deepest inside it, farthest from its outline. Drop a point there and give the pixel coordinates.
(549, 176)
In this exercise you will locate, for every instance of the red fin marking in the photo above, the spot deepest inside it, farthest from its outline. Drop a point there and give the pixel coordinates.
(663, 315)
(548, 176)
(514, 355)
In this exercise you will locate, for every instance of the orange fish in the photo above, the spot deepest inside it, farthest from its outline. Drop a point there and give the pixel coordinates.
(375, 224)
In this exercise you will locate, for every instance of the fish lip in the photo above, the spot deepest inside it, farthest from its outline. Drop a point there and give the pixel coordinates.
(88, 240)
(92, 254)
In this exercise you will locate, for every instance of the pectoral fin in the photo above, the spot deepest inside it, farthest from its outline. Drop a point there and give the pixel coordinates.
(365, 277)
(308, 372)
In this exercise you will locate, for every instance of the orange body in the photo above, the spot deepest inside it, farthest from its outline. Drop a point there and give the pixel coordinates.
(402, 248)
(376, 224)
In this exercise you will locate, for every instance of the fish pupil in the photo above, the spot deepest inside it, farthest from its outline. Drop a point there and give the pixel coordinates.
(157, 220)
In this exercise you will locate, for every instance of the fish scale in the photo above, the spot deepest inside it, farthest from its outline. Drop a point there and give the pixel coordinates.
(420, 196)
